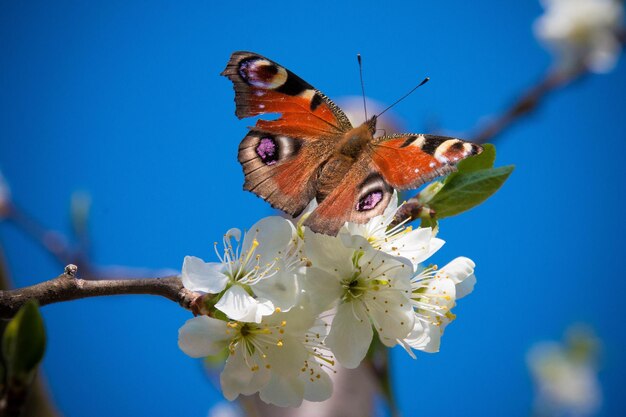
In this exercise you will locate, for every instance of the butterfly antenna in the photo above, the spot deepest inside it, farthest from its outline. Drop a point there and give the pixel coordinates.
(358, 57)
(424, 81)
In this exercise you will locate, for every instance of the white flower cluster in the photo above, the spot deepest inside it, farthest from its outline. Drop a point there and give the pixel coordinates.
(582, 32)
(287, 302)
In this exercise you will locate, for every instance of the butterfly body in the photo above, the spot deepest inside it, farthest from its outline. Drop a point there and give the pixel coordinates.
(312, 151)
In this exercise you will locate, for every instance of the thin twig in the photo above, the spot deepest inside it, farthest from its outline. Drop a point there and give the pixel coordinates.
(67, 287)
(526, 103)
(533, 97)
(51, 241)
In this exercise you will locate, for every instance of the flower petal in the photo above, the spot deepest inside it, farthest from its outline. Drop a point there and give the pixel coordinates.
(416, 245)
(281, 289)
(458, 269)
(425, 337)
(392, 315)
(283, 392)
(461, 272)
(318, 384)
(350, 334)
(287, 359)
(435, 340)
(198, 275)
(328, 253)
(234, 233)
(237, 304)
(352, 237)
(390, 211)
(465, 287)
(323, 288)
(238, 376)
(202, 336)
(273, 235)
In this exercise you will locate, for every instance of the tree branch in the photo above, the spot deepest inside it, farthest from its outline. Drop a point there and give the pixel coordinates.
(532, 98)
(67, 287)
(526, 103)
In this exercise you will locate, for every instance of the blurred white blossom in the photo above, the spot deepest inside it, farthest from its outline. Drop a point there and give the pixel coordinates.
(582, 32)
(224, 409)
(566, 376)
(255, 278)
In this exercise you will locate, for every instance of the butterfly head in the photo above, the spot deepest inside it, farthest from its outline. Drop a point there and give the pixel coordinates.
(371, 125)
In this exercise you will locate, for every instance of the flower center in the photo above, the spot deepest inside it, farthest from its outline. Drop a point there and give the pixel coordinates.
(354, 287)
(244, 268)
(255, 337)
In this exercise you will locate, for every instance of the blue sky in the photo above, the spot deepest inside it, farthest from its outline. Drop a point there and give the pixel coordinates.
(124, 100)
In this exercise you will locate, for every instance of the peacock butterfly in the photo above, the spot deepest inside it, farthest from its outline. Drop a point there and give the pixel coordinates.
(313, 151)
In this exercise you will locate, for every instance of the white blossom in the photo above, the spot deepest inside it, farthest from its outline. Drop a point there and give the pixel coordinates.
(295, 300)
(312, 382)
(566, 377)
(367, 287)
(416, 245)
(582, 32)
(433, 294)
(253, 279)
(283, 357)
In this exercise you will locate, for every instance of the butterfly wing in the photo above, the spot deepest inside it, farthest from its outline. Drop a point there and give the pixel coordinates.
(281, 157)
(362, 194)
(282, 169)
(400, 161)
(262, 86)
(407, 161)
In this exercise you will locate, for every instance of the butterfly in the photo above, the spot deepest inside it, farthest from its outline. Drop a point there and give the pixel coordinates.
(312, 151)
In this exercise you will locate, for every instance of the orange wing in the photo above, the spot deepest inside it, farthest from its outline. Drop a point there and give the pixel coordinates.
(361, 195)
(400, 161)
(281, 157)
(282, 169)
(262, 86)
(409, 160)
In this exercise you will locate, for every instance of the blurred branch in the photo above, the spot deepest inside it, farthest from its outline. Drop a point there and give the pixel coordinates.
(56, 244)
(5, 279)
(532, 98)
(526, 103)
(67, 287)
(522, 106)
(53, 242)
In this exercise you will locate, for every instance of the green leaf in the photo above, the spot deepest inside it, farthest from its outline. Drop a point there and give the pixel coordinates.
(468, 189)
(428, 222)
(484, 160)
(24, 341)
